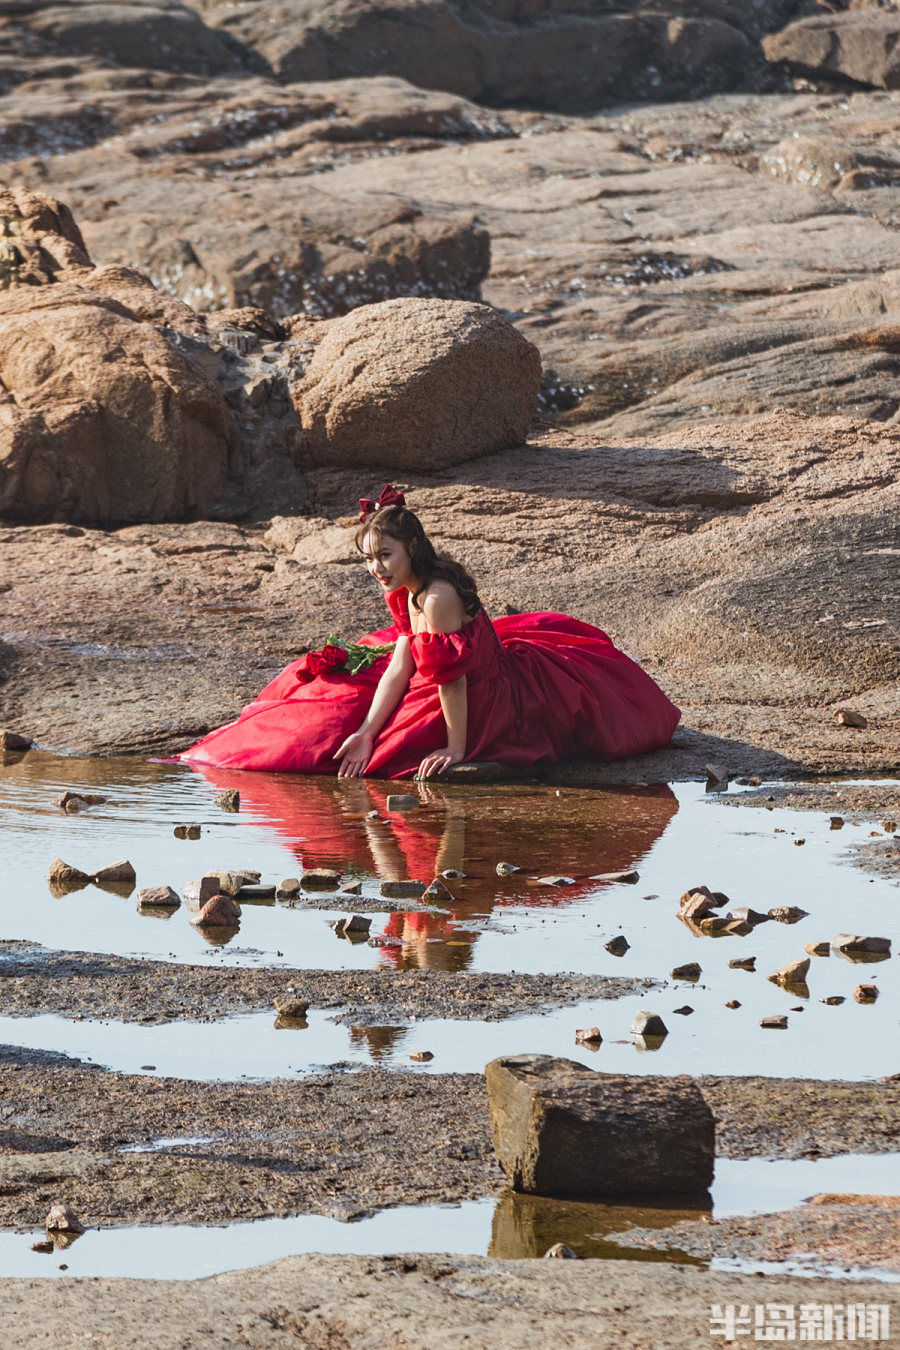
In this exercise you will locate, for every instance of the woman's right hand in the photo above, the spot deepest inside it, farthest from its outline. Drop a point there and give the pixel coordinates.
(354, 754)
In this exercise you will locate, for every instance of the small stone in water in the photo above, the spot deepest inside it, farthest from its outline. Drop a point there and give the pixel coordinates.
(649, 1024)
(453, 873)
(853, 942)
(787, 913)
(402, 801)
(118, 873)
(556, 881)
(229, 800)
(818, 948)
(421, 1056)
(685, 1011)
(256, 891)
(715, 923)
(63, 1219)
(792, 972)
(506, 869)
(617, 946)
(46, 1248)
(691, 971)
(743, 963)
(837, 822)
(847, 718)
(561, 1251)
(628, 878)
(865, 993)
(162, 897)
(291, 1005)
(320, 879)
(438, 891)
(889, 826)
(352, 888)
(72, 803)
(64, 874)
(288, 887)
(778, 1022)
(716, 773)
(355, 923)
(733, 1003)
(196, 893)
(402, 890)
(219, 912)
(833, 1000)
(186, 831)
(798, 842)
(588, 1035)
(14, 740)
(744, 914)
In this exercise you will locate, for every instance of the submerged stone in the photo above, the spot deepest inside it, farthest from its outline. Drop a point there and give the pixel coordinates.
(618, 945)
(401, 801)
(219, 912)
(186, 831)
(787, 913)
(63, 874)
(628, 878)
(161, 897)
(229, 800)
(402, 890)
(320, 879)
(565, 1130)
(506, 869)
(117, 873)
(690, 971)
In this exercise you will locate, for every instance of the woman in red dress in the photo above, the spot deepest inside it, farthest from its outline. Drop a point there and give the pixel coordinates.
(457, 686)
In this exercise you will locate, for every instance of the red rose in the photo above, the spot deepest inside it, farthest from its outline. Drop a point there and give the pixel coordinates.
(329, 658)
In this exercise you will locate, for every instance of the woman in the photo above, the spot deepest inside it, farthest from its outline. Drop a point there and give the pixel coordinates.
(455, 686)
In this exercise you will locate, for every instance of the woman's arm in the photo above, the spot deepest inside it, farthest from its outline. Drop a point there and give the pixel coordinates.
(444, 613)
(356, 750)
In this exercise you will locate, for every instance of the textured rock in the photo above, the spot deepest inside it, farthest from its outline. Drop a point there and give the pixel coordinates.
(859, 45)
(562, 54)
(64, 874)
(562, 1129)
(417, 384)
(158, 897)
(220, 911)
(853, 942)
(118, 873)
(793, 972)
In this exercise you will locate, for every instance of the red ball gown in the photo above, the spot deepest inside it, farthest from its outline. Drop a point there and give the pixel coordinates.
(539, 686)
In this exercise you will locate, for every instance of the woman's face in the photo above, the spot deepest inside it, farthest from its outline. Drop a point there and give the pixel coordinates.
(388, 561)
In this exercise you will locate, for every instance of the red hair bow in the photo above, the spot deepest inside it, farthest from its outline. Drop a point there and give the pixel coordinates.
(389, 497)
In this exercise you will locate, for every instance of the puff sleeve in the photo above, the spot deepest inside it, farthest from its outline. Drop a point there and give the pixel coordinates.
(444, 657)
(397, 604)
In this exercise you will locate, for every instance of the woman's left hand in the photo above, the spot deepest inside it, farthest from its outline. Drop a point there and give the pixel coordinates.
(438, 761)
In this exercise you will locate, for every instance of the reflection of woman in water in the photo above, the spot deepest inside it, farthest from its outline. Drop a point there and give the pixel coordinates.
(523, 689)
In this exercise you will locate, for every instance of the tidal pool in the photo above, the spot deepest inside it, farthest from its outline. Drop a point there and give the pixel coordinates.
(511, 1226)
(673, 836)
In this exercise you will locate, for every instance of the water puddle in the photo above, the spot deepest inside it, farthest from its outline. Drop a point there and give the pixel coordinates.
(511, 1226)
(673, 837)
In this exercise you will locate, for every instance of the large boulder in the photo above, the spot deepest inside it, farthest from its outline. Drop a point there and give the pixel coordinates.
(163, 34)
(861, 44)
(102, 419)
(417, 384)
(565, 1130)
(570, 55)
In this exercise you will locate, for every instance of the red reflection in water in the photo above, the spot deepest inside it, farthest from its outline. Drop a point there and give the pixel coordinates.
(578, 834)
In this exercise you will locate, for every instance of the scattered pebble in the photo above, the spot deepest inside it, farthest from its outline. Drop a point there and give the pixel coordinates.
(287, 888)
(402, 890)
(63, 1219)
(836, 822)
(158, 897)
(229, 800)
(14, 740)
(743, 963)
(818, 948)
(853, 942)
(556, 881)
(352, 888)
(64, 874)
(196, 893)
(438, 890)
(46, 1248)
(691, 971)
(847, 718)
(617, 946)
(219, 911)
(745, 914)
(506, 869)
(291, 1005)
(787, 913)
(685, 1011)
(649, 1024)
(421, 1056)
(798, 842)
(778, 1022)
(889, 826)
(628, 878)
(353, 923)
(256, 890)
(453, 873)
(320, 879)
(833, 1000)
(733, 1003)
(792, 972)
(402, 801)
(561, 1251)
(186, 831)
(865, 993)
(588, 1035)
(117, 873)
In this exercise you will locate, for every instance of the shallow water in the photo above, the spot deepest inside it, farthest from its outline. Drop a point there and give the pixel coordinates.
(511, 1226)
(673, 836)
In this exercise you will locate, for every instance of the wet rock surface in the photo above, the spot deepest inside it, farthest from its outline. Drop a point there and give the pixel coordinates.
(79, 984)
(341, 1143)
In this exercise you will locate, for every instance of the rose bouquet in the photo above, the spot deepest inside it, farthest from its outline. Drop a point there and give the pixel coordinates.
(347, 657)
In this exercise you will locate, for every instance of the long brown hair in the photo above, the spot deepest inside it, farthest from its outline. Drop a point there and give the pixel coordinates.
(398, 522)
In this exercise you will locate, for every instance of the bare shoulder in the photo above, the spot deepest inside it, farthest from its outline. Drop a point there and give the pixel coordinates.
(443, 608)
